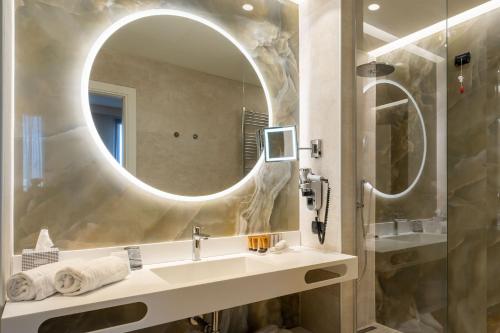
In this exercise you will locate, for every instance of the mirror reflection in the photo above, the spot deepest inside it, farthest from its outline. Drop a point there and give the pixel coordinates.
(178, 105)
(107, 113)
(400, 140)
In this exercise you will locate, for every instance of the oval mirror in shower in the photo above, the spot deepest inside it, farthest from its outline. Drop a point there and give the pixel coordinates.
(401, 139)
(178, 103)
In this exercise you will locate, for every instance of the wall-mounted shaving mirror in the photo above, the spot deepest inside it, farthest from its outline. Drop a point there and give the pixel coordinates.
(280, 144)
(178, 103)
(401, 139)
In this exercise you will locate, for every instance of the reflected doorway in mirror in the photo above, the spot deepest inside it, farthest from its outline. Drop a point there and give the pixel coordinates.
(113, 110)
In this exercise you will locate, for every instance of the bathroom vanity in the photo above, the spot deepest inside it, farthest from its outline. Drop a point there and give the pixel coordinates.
(180, 289)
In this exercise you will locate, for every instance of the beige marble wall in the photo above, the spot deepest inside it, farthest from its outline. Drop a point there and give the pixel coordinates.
(168, 103)
(326, 113)
(320, 109)
(75, 192)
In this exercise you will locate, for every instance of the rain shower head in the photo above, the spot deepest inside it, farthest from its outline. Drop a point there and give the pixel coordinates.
(374, 69)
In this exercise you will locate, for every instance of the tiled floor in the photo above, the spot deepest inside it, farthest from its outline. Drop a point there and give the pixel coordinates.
(378, 329)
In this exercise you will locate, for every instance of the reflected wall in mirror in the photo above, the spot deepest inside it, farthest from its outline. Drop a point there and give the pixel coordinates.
(178, 105)
(400, 139)
(280, 144)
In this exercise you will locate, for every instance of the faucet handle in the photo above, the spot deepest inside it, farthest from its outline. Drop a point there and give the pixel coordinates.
(196, 230)
(197, 233)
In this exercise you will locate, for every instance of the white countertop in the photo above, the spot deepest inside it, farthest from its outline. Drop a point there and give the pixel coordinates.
(281, 274)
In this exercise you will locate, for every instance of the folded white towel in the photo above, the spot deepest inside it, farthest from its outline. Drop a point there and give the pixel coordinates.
(34, 284)
(80, 278)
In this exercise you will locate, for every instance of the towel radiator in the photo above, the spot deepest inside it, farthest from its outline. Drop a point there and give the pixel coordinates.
(252, 126)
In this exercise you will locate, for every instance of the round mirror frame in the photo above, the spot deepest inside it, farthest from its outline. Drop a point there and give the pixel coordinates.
(84, 95)
(424, 132)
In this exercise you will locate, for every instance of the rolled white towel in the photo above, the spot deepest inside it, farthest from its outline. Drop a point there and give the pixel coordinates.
(281, 246)
(34, 284)
(80, 278)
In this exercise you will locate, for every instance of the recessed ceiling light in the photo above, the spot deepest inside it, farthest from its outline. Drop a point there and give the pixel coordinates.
(374, 7)
(248, 7)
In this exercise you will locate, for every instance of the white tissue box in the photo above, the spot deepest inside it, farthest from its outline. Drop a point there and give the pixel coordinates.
(33, 259)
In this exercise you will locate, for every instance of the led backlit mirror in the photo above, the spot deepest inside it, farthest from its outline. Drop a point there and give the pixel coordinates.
(178, 103)
(401, 139)
(280, 144)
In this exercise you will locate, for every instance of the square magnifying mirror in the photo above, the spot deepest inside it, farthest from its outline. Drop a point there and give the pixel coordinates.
(280, 144)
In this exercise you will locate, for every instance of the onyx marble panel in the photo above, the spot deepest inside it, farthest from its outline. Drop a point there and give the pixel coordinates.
(62, 181)
(473, 165)
(472, 173)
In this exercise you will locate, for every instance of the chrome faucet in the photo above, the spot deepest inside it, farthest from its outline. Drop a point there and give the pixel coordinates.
(197, 237)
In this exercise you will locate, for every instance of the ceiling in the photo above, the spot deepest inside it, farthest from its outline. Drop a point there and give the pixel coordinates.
(183, 42)
(403, 17)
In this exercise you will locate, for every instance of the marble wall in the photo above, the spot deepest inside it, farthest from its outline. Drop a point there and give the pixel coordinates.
(172, 99)
(62, 180)
(473, 166)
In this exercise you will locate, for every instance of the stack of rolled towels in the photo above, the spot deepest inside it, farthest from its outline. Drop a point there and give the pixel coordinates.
(70, 278)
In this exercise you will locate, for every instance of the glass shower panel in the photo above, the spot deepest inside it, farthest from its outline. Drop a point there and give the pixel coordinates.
(401, 158)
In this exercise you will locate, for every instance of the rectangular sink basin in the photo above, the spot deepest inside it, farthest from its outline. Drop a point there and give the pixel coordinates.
(205, 271)
(420, 238)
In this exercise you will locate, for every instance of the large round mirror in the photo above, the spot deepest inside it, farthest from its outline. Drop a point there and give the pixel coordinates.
(178, 103)
(401, 139)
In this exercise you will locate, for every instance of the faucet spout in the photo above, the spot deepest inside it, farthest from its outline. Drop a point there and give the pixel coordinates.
(197, 237)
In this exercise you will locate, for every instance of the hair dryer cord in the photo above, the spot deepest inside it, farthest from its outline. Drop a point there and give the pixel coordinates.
(322, 226)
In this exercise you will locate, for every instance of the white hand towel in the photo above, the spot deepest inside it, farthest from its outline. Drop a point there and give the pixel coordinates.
(80, 278)
(34, 284)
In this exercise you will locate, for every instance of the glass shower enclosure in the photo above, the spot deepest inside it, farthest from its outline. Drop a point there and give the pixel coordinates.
(428, 144)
